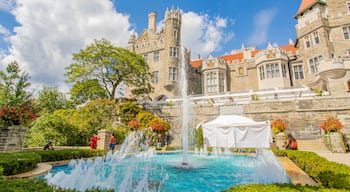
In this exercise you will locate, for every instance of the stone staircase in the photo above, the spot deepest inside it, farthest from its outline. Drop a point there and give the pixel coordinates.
(314, 145)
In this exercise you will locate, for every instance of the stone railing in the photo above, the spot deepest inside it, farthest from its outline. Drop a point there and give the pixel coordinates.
(331, 68)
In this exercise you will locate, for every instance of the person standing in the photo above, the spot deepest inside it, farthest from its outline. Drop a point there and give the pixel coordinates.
(93, 143)
(112, 142)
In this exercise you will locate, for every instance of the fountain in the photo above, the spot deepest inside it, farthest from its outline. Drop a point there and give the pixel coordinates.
(185, 106)
(136, 167)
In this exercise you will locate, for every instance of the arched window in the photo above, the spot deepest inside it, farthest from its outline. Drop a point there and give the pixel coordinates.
(348, 84)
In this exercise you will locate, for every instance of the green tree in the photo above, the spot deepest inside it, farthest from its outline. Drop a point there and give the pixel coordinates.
(15, 102)
(13, 86)
(89, 89)
(51, 99)
(110, 66)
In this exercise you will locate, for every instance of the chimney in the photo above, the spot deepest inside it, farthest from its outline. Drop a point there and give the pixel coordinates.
(152, 22)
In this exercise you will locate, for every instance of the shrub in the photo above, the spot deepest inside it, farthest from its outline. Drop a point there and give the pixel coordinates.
(328, 174)
(17, 162)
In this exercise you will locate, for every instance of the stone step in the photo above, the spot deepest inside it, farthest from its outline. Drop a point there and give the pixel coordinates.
(312, 145)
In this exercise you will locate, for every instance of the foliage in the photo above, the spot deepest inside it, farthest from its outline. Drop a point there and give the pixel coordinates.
(16, 106)
(199, 137)
(120, 133)
(111, 66)
(280, 187)
(331, 124)
(51, 99)
(25, 185)
(86, 90)
(134, 124)
(128, 111)
(16, 115)
(159, 125)
(17, 162)
(72, 126)
(144, 118)
(328, 174)
(278, 125)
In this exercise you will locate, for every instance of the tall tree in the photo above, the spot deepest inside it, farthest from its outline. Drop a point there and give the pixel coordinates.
(13, 86)
(51, 99)
(110, 66)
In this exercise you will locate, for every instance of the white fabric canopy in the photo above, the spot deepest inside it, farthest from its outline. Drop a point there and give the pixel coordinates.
(237, 131)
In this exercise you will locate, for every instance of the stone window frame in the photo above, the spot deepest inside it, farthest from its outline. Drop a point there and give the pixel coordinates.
(346, 32)
(298, 72)
(316, 36)
(221, 81)
(145, 57)
(156, 55)
(155, 77)
(348, 85)
(348, 6)
(284, 70)
(313, 64)
(262, 72)
(172, 74)
(173, 52)
(211, 82)
(272, 70)
(307, 41)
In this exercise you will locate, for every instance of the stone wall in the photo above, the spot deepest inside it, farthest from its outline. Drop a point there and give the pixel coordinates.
(303, 115)
(12, 138)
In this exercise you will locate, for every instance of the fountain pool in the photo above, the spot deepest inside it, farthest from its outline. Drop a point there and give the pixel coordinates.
(165, 172)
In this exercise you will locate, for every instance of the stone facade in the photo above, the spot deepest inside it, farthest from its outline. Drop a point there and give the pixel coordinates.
(163, 52)
(303, 115)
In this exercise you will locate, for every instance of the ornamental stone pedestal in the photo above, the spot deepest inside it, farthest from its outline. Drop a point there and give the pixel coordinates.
(335, 142)
(280, 140)
(12, 137)
(104, 136)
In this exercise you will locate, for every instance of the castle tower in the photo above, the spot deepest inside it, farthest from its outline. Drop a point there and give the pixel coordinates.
(172, 47)
(323, 40)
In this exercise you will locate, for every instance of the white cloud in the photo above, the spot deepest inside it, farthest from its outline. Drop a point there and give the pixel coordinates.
(49, 32)
(262, 22)
(202, 34)
(4, 31)
(7, 5)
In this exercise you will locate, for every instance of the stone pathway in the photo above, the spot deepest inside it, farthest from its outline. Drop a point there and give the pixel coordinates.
(343, 158)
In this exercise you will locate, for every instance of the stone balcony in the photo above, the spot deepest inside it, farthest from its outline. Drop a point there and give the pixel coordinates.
(331, 68)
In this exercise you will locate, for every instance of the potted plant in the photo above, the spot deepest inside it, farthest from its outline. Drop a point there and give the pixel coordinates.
(333, 136)
(279, 127)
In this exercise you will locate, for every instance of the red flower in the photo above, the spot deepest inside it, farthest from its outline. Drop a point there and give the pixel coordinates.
(16, 115)
(331, 124)
(134, 123)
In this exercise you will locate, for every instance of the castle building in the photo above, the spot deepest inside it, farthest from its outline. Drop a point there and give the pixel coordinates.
(162, 51)
(318, 59)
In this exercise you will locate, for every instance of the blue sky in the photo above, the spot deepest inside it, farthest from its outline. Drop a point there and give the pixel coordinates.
(42, 35)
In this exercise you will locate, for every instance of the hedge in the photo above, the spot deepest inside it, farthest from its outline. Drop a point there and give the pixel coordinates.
(20, 162)
(326, 173)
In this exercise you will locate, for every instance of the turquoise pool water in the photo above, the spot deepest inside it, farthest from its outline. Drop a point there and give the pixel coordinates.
(164, 172)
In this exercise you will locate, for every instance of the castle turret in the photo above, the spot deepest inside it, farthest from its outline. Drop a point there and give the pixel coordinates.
(132, 40)
(152, 17)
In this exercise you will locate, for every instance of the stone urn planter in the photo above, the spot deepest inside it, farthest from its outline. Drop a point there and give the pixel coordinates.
(335, 142)
(12, 137)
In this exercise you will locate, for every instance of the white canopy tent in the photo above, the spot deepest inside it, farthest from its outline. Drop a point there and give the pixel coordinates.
(237, 131)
